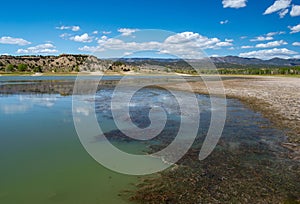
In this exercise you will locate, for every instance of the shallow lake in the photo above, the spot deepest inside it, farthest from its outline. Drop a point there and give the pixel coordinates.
(43, 161)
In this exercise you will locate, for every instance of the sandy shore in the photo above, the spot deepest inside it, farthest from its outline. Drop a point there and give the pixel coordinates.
(277, 98)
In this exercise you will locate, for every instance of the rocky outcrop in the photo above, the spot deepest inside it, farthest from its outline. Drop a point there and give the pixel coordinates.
(61, 63)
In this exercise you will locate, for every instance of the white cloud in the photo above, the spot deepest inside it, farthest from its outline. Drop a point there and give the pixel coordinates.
(294, 29)
(243, 37)
(195, 40)
(269, 54)
(127, 31)
(106, 32)
(13, 41)
(247, 47)
(224, 22)
(278, 5)
(262, 38)
(84, 38)
(295, 10)
(90, 49)
(180, 44)
(296, 44)
(95, 32)
(127, 53)
(234, 3)
(267, 37)
(275, 33)
(283, 13)
(271, 44)
(43, 48)
(104, 37)
(73, 28)
(65, 35)
(224, 44)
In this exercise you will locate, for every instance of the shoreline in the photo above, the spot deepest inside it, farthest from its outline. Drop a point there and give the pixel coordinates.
(142, 74)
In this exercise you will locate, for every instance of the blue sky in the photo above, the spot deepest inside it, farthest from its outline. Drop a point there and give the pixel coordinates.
(264, 29)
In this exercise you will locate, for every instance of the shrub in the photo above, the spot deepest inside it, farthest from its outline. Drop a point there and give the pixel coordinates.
(38, 69)
(22, 67)
(9, 68)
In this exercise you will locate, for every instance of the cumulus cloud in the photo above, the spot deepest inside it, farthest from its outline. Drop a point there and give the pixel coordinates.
(270, 53)
(13, 41)
(271, 44)
(247, 47)
(180, 44)
(224, 22)
(294, 29)
(234, 3)
(279, 5)
(283, 13)
(262, 38)
(296, 44)
(295, 10)
(190, 40)
(47, 48)
(84, 38)
(127, 31)
(73, 28)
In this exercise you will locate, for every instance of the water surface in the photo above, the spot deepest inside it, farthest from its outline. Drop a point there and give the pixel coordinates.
(43, 161)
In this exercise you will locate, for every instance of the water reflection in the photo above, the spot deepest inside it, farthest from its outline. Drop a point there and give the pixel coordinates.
(14, 104)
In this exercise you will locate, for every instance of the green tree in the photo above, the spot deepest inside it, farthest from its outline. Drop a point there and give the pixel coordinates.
(22, 67)
(9, 68)
(38, 69)
(77, 69)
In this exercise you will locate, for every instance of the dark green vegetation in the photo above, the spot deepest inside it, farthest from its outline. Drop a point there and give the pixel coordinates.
(247, 70)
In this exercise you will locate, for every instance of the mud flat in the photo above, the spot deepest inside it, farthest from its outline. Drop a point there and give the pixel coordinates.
(277, 98)
(249, 165)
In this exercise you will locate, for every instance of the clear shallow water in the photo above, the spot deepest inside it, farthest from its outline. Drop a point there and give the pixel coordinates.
(42, 160)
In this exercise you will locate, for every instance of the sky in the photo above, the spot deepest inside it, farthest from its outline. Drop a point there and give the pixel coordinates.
(245, 28)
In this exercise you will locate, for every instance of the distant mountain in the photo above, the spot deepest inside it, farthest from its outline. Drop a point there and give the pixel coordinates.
(254, 61)
(225, 62)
